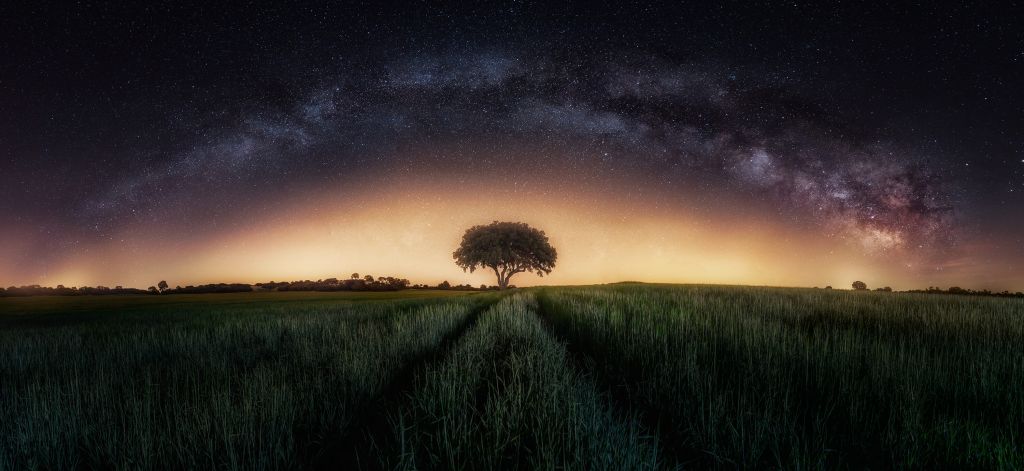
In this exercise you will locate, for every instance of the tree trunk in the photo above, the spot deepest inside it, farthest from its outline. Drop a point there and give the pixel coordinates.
(504, 276)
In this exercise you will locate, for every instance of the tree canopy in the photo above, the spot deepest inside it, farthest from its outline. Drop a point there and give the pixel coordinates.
(506, 248)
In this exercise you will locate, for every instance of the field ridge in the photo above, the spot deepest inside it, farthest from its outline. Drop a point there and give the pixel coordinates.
(650, 420)
(370, 431)
(508, 398)
(610, 377)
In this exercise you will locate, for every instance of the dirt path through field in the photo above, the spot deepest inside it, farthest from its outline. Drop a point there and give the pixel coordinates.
(371, 432)
(671, 446)
(506, 397)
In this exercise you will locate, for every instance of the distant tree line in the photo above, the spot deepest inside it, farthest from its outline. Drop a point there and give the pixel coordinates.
(364, 283)
(463, 287)
(861, 286)
(61, 290)
(210, 288)
(967, 292)
(353, 283)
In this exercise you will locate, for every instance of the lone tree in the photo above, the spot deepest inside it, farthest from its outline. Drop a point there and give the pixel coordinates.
(860, 285)
(162, 285)
(507, 248)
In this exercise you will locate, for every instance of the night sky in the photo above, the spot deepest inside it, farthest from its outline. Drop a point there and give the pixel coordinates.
(747, 143)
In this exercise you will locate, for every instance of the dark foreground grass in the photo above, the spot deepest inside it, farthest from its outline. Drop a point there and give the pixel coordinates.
(615, 377)
(508, 398)
(796, 379)
(63, 309)
(212, 387)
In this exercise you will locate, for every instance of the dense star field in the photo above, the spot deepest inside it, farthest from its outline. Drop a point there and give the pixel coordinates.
(511, 236)
(209, 144)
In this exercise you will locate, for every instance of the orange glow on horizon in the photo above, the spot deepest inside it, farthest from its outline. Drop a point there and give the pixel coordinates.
(412, 232)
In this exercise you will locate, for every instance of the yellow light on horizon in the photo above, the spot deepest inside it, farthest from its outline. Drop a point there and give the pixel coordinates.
(600, 239)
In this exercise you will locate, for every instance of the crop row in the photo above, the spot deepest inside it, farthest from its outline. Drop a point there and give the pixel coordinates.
(773, 378)
(251, 388)
(618, 377)
(508, 397)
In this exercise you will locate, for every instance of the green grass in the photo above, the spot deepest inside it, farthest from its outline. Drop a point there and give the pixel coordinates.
(507, 397)
(61, 309)
(217, 386)
(796, 378)
(614, 377)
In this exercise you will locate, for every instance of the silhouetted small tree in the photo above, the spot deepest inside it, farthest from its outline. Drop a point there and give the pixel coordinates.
(162, 285)
(860, 285)
(507, 248)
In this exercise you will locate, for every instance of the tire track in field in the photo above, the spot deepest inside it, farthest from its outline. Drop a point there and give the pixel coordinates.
(666, 438)
(508, 397)
(358, 446)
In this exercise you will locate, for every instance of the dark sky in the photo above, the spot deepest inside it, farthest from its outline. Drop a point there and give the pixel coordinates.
(892, 131)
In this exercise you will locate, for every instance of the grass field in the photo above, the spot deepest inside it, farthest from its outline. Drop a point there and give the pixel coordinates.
(117, 304)
(611, 377)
